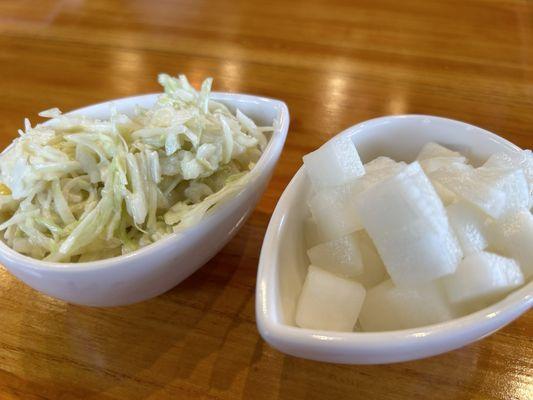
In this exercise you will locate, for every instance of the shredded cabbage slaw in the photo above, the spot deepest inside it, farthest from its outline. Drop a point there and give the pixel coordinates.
(78, 189)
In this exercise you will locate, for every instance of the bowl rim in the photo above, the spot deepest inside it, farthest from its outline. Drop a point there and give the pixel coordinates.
(269, 156)
(267, 295)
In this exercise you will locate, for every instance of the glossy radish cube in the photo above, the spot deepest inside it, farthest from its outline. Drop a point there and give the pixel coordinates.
(335, 163)
(374, 271)
(430, 165)
(433, 150)
(408, 224)
(387, 307)
(482, 278)
(418, 253)
(513, 236)
(512, 182)
(522, 160)
(328, 301)
(452, 164)
(469, 224)
(379, 163)
(334, 211)
(465, 183)
(341, 256)
(375, 175)
(311, 232)
(401, 199)
(446, 196)
(379, 169)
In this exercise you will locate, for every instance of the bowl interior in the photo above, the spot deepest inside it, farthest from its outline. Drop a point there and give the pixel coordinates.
(400, 138)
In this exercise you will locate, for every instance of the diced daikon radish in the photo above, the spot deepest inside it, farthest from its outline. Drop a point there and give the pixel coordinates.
(418, 253)
(328, 301)
(379, 163)
(333, 208)
(430, 165)
(387, 307)
(522, 159)
(335, 163)
(512, 182)
(401, 199)
(334, 211)
(452, 168)
(482, 278)
(467, 185)
(433, 150)
(408, 224)
(469, 225)
(447, 196)
(513, 236)
(375, 175)
(311, 232)
(341, 256)
(374, 271)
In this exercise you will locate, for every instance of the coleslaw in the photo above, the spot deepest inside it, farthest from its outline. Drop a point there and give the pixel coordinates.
(78, 189)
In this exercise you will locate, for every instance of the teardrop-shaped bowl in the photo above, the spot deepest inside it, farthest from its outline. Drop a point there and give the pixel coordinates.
(156, 268)
(283, 262)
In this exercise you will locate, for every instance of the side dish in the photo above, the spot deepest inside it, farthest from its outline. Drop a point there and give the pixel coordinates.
(395, 246)
(77, 189)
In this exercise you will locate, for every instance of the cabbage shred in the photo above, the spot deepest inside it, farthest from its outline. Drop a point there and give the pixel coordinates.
(79, 189)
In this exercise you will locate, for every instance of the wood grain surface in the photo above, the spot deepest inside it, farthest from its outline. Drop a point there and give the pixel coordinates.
(335, 63)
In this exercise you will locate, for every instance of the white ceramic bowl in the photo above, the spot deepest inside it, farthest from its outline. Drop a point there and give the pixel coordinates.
(283, 261)
(157, 268)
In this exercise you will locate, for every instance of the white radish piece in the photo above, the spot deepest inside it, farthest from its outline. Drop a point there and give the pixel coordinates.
(341, 256)
(433, 150)
(333, 208)
(375, 175)
(482, 278)
(408, 224)
(469, 225)
(335, 163)
(522, 160)
(430, 165)
(434, 156)
(403, 198)
(334, 211)
(311, 233)
(379, 163)
(418, 253)
(374, 271)
(510, 181)
(387, 307)
(467, 185)
(513, 236)
(329, 302)
(447, 196)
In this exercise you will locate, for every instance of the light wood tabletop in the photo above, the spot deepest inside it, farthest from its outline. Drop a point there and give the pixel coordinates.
(335, 63)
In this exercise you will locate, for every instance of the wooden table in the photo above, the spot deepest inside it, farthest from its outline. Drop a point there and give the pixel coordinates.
(335, 63)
